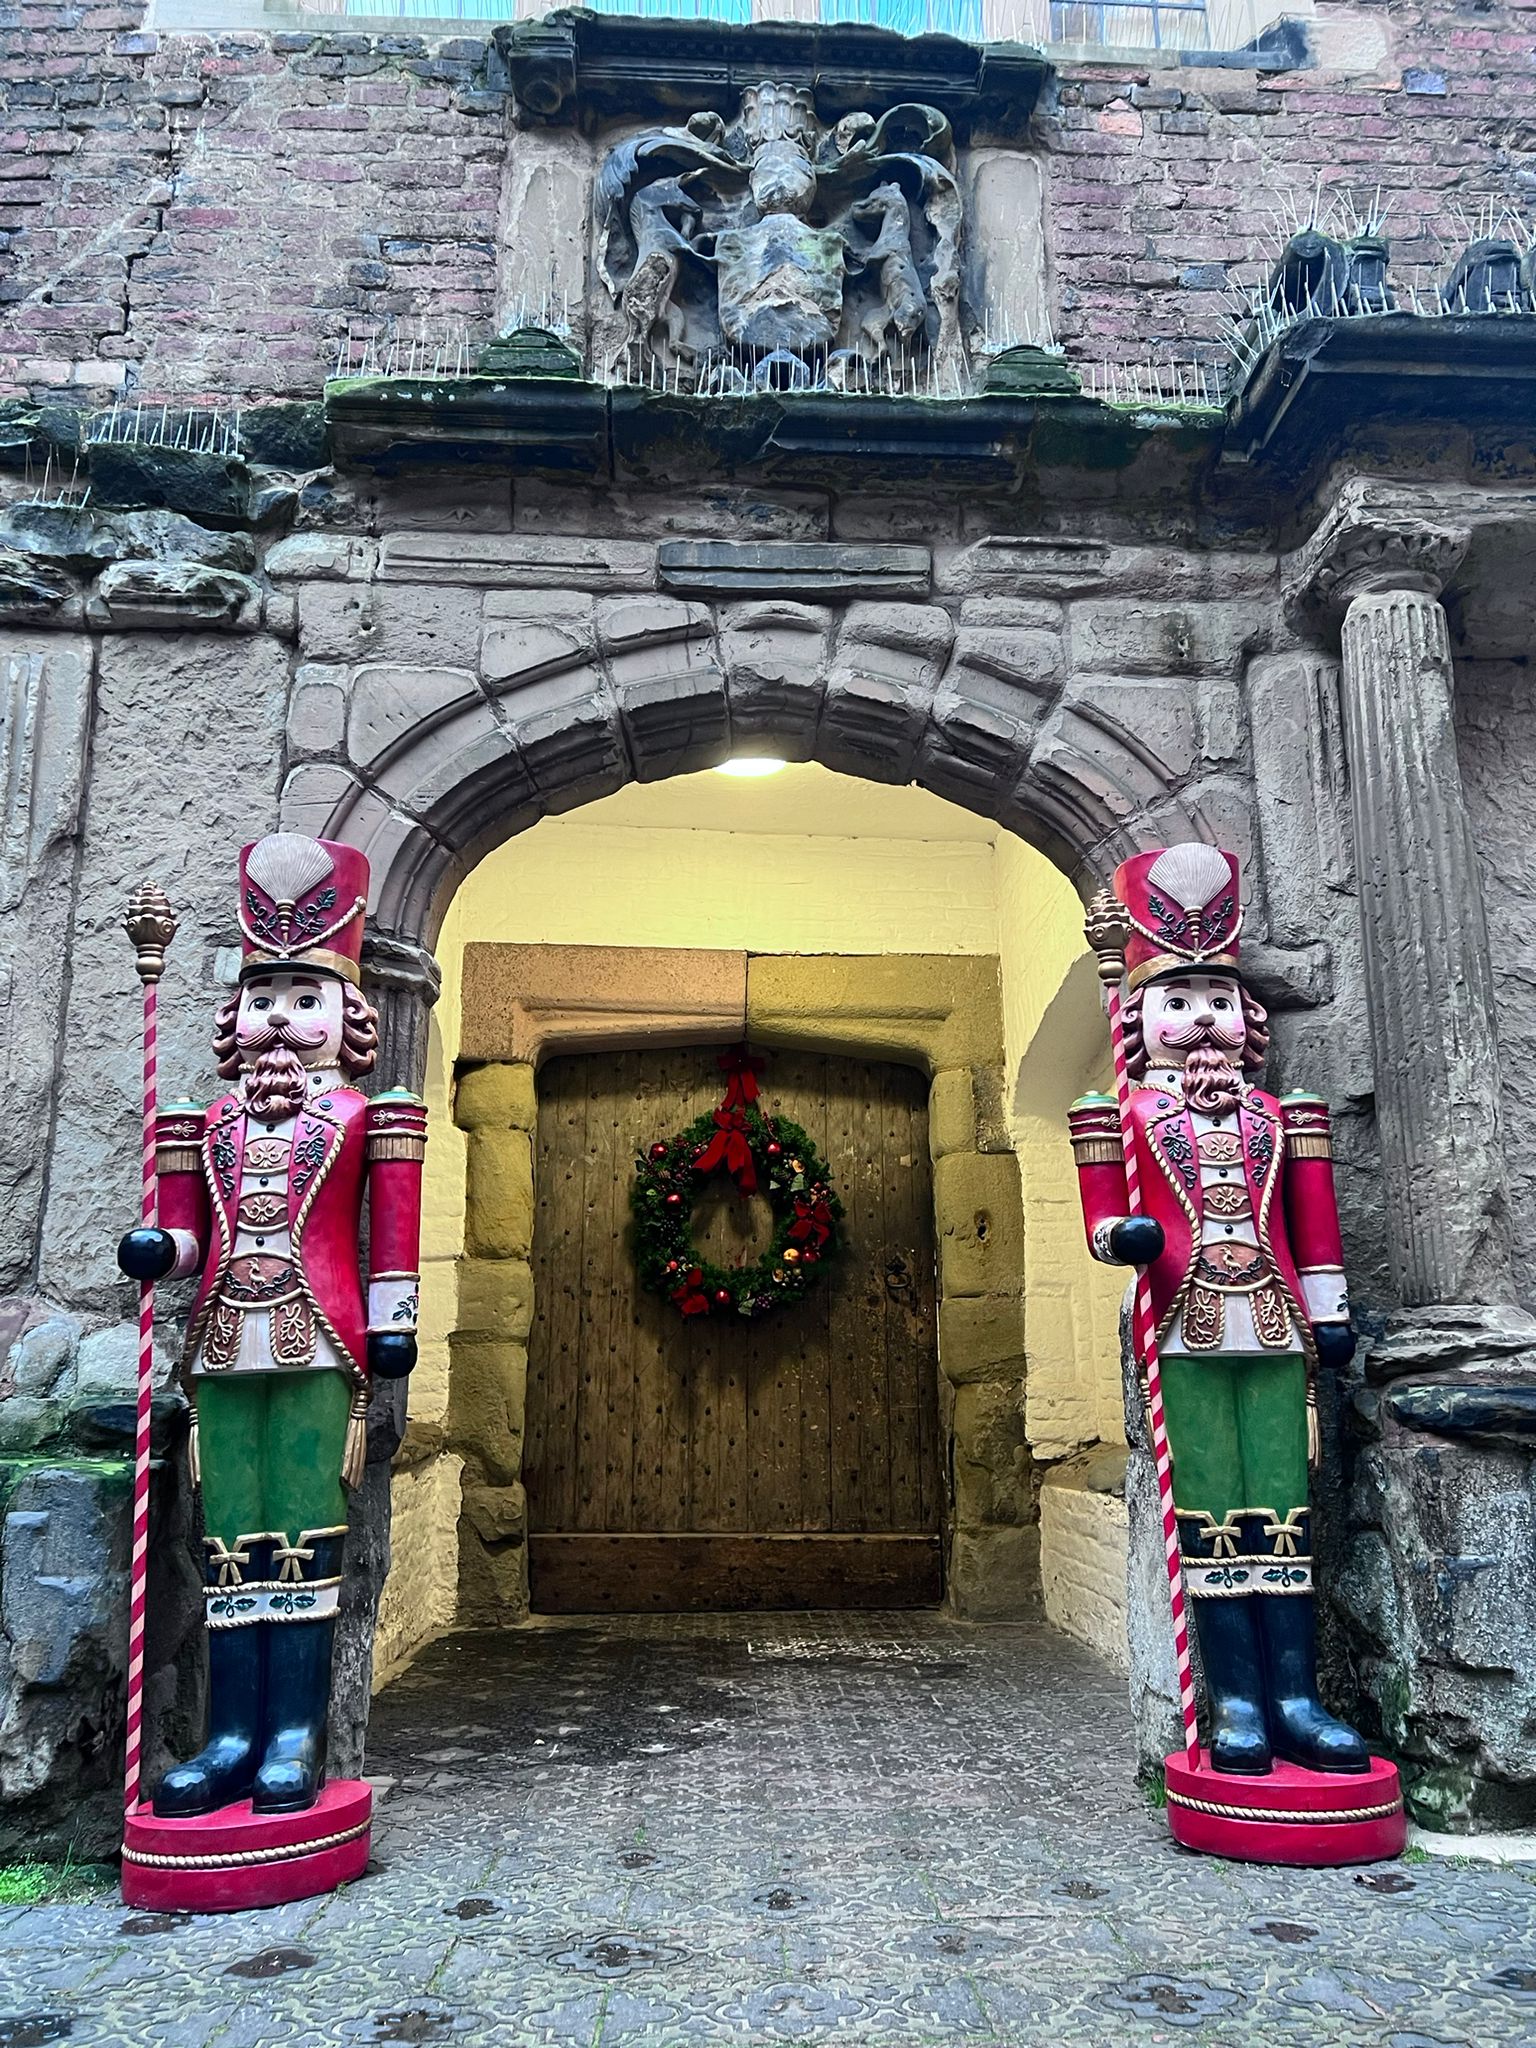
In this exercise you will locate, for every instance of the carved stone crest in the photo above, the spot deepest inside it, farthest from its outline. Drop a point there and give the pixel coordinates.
(777, 253)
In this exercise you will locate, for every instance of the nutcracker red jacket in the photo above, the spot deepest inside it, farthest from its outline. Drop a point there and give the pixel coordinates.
(342, 1142)
(1286, 1156)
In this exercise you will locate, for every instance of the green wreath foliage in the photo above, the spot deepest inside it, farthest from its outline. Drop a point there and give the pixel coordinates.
(792, 1175)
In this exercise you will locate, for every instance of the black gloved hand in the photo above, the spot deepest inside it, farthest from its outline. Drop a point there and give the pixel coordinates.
(391, 1353)
(1335, 1344)
(1136, 1241)
(146, 1254)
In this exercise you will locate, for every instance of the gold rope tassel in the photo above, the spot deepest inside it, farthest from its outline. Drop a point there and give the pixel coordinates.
(356, 1448)
(194, 1456)
(1314, 1434)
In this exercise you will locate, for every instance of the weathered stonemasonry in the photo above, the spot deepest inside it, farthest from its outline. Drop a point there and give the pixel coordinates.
(484, 576)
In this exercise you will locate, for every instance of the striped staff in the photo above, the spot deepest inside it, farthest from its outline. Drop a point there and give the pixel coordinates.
(151, 926)
(1108, 929)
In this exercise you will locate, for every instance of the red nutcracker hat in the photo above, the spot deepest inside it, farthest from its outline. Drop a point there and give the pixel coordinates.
(301, 905)
(1185, 909)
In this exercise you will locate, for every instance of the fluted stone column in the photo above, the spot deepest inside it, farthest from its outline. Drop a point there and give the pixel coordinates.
(1424, 931)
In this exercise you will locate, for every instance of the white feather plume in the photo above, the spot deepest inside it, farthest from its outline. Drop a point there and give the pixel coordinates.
(1191, 874)
(287, 865)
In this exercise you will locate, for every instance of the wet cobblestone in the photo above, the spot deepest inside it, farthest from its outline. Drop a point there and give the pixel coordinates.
(893, 1830)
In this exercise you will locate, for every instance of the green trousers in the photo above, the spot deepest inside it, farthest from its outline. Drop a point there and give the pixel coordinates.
(270, 1445)
(1237, 1428)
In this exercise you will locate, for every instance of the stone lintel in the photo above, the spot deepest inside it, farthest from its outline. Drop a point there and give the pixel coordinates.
(1047, 564)
(518, 560)
(523, 1002)
(808, 568)
(938, 1010)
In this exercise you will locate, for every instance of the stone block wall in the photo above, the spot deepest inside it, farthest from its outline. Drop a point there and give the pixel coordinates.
(1496, 741)
(425, 692)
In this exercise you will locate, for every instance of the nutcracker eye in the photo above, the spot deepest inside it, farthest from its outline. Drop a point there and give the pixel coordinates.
(308, 1003)
(1221, 1002)
(1175, 1003)
(261, 1002)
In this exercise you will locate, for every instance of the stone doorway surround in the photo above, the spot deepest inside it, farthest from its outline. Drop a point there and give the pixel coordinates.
(939, 1013)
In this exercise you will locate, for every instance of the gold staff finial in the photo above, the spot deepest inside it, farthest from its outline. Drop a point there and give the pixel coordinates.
(1107, 928)
(151, 924)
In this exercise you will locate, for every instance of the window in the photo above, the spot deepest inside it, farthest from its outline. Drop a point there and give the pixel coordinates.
(1079, 24)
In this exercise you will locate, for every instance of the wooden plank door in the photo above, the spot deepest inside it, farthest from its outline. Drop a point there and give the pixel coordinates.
(685, 1464)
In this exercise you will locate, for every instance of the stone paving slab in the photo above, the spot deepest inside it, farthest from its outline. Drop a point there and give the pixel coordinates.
(751, 1830)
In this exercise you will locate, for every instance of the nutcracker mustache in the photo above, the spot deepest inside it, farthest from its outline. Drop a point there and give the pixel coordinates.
(1201, 1033)
(282, 1031)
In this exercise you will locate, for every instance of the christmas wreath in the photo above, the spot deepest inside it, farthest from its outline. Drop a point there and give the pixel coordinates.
(759, 1152)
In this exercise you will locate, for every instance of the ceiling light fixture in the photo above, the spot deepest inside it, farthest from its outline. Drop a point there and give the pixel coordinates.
(751, 764)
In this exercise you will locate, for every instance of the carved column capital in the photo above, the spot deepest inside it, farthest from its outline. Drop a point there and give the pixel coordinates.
(1373, 541)
(403, 981)
(397, 964)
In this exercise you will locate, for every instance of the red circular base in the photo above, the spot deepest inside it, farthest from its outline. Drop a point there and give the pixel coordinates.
(226, 1861)
(1289, 1815)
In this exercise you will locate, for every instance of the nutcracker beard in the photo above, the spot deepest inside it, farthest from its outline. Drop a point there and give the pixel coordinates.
(277, 1087)
(1212, 1085)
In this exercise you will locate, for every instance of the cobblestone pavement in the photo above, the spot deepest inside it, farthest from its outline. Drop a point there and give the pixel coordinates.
(781, 1829)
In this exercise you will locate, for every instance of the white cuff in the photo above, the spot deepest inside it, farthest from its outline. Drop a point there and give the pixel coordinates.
(1101, 1236)
(393, 1301)
(189, 1254)
(1325, 1294)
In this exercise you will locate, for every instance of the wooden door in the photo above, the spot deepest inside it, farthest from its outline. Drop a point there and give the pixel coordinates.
(686, 1464)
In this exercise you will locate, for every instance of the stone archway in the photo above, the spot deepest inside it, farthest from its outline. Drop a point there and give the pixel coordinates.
(426, 768)
(437, 712)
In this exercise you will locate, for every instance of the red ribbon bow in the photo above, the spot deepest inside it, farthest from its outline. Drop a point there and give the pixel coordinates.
(742, 1070)
(813, 1222)
(690, 1296)
(729, 1148)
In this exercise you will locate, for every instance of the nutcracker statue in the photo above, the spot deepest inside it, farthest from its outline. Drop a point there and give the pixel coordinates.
(1222, 1197)
(261, 1194)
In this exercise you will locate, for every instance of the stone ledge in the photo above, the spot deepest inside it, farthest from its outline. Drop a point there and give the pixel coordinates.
(806, 568)
(1454, 1337)
(517, 560)
(1505, 1410)
(1290, 977)
(573, 66)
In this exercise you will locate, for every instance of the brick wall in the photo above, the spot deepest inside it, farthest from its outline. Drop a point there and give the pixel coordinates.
(205, 215)
(1162, 183)
(201, 216)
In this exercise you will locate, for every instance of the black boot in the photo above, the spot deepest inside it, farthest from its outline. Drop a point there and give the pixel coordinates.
(299, 1687)
(222, 1771)
(298, 1703)
(1303, 1730)
(1234, 1684)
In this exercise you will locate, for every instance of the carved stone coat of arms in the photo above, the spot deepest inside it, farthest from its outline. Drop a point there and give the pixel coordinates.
(778, 253)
